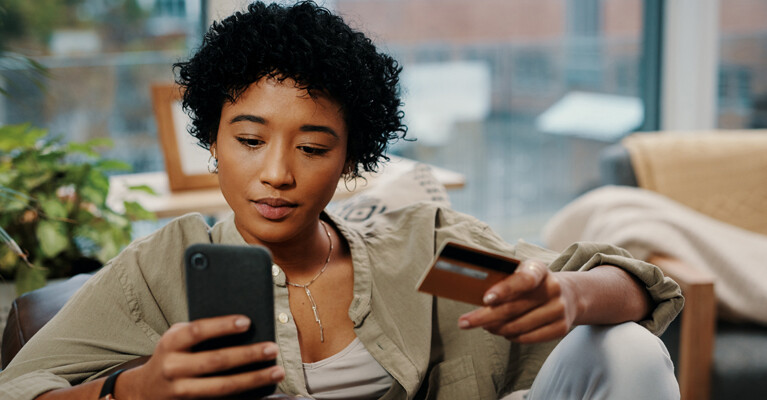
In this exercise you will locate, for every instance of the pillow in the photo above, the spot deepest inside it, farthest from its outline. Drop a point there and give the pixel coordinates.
(392, 191)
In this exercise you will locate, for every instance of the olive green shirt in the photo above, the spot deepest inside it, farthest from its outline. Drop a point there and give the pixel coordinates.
(122, 311)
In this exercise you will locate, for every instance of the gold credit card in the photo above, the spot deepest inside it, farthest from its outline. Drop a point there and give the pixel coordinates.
(464, 273)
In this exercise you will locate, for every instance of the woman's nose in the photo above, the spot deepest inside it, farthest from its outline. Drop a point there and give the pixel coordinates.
(277, 169)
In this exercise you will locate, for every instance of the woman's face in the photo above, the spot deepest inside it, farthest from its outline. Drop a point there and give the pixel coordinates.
(280, 156)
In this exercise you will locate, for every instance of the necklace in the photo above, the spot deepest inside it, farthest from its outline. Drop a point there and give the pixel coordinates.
(306, 286)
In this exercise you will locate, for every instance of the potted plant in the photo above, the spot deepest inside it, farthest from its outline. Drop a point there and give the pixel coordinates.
(54, 217)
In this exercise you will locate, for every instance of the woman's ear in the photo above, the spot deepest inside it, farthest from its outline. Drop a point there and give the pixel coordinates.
(349, 170)
(213, 150)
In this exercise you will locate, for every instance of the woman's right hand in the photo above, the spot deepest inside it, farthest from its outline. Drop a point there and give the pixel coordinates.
(174, 372)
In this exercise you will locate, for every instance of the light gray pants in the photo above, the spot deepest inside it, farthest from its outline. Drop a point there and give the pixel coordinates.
(623, 361)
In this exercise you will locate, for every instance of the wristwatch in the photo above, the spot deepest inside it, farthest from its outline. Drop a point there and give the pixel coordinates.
(107, 391)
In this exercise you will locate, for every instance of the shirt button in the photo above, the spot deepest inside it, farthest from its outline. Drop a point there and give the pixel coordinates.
(283, 318)
(275, 270)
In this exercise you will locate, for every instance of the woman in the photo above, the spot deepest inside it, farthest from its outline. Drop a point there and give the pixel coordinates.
(289, 100)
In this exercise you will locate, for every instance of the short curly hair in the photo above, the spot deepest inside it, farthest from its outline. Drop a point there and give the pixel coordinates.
(307, 43)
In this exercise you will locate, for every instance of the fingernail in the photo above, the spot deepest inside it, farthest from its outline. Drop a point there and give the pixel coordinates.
(489, 298)
(270, 350)
(242, 322)
(278, 374)
(463, 324)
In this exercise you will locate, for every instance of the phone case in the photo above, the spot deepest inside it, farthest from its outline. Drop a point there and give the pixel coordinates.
(225, 280)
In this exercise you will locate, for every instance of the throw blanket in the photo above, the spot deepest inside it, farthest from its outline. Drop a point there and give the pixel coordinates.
(644, 222)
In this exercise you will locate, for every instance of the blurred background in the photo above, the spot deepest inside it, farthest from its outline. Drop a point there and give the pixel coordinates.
(519, 95)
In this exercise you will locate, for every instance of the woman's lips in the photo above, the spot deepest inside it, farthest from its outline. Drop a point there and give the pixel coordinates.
(274, 209)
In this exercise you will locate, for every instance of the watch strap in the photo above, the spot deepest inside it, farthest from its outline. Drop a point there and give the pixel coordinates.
(107, 390)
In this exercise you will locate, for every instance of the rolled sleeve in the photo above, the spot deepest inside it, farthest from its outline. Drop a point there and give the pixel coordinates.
(664, 292)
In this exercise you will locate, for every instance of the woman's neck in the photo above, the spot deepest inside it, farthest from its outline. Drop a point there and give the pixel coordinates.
(302, 258)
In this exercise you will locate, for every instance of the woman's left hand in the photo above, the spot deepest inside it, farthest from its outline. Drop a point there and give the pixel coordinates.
(532, 305)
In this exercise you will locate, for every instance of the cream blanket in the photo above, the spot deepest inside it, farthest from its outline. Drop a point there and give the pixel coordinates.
(644, 222)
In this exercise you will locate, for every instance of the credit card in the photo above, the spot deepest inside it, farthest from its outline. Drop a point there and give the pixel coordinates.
(464, 273)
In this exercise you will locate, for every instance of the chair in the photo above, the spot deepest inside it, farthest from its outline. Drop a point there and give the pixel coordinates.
(714, 359)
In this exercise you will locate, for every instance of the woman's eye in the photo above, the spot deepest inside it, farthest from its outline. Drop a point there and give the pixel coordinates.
(313, 151)
(250, 142)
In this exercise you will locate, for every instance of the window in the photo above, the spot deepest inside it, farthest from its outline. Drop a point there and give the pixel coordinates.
(101, 57)
(171, 8)
(742, 94)
(507, 92)
(535, 68)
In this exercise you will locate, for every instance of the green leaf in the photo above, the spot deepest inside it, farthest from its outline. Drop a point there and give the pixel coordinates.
(95, 188)
(136, 212)
(6, 174)
(32, 181)
(109, 249)
(13, 200)
(83, 148)
(117, 221)
(100, 142)
(91, 233)
(14, 193)
(143, 188)
(53, 208)
(28, 279)
(87, 147)
(14, 137)
(47, 178)
(113, 165)
(9, 261)
(52, 237)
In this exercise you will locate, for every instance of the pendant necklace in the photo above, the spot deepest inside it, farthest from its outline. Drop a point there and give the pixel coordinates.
(306, 286)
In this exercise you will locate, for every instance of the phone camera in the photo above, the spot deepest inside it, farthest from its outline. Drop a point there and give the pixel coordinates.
(199, 261)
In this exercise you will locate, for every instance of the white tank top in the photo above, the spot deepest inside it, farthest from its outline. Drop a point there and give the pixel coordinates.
(351, 373)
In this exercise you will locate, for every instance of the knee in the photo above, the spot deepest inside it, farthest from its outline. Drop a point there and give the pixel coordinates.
(617, 361)
(624, 347)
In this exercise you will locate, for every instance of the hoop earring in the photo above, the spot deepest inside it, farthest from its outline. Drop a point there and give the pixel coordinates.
(351, 178)
(213, 164)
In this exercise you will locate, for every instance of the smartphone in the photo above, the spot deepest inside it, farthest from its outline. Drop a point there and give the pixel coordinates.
(464, 273)
(225, 280)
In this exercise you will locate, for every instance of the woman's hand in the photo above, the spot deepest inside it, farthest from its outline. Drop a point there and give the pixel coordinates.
(173, 372)
(535, 305)
(531, 305)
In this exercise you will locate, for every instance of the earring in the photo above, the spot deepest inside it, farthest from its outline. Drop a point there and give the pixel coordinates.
(213, 164)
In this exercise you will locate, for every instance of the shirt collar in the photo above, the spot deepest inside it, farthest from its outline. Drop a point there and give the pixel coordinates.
(225, 231)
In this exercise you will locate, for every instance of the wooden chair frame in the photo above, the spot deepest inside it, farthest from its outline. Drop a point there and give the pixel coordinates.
(698, 326)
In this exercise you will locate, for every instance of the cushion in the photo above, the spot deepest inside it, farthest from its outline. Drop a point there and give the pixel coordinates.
(720, 174)
(392, 191)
